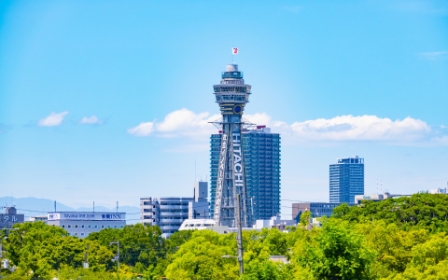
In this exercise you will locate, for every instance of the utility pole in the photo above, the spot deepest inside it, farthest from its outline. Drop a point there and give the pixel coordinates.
(239, 238)
(118, 252)
(86, 263)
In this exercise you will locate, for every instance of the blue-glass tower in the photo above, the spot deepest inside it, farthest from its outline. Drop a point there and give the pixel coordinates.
(346, 180)
(231, 94)
(261, 150)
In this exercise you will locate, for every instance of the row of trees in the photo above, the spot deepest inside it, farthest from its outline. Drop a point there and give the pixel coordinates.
(397, 239)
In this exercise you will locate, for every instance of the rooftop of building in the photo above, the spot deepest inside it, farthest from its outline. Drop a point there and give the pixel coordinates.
(232, 72)
(171, 198)
(351, 160)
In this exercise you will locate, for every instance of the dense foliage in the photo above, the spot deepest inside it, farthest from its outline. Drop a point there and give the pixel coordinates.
(399, 239)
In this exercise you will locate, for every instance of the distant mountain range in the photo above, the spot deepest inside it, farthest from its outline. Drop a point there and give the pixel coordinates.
(31, 206)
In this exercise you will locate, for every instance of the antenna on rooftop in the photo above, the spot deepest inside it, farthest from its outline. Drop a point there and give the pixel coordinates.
(117, 206)
(94, 206)
(55, 206)
(381, 185)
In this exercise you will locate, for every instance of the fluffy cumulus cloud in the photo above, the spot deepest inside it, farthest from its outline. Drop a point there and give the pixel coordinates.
(143, 129)
(54, 119)
(184, 122)
(361, 128)
(178, 123)
(91, 120)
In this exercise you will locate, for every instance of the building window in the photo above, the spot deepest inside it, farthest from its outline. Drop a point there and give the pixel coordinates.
(82, 226)
(102, 226)
(96, 226)
(69, 226)
(76, 234)
(115, 226)
(76, 226)
(89, 226)
(63, 226)
(82, 233)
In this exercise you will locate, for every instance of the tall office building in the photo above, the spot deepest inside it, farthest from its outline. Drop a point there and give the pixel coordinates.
(199, 207)
(261, 150)
(231, 94)
(346, 180)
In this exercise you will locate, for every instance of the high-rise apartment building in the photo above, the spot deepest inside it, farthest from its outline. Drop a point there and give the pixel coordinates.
(168, 213)
(346, 180)
(261, 151)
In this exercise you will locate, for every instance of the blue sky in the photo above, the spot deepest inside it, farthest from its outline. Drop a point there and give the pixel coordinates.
(109, 100)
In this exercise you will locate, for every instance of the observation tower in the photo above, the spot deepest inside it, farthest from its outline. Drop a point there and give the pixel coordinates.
(232, 94)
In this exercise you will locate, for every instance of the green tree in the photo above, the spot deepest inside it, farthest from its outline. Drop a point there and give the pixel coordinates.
(392, 244)
(38, 250)
(140, 245)
(266, 270)
(207, 255)
(426, 211)
(335, 253)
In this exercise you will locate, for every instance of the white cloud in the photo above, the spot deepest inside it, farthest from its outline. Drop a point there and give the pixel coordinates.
(91, 120)
(440, 141)
(434, 55)
(54, 119)
(361, 128)
(185, 123)
(182, 122)
(143, 129)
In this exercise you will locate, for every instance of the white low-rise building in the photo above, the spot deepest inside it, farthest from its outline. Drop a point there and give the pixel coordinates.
(274, 222)
(201, 224)
(438, 191)
(191, 224)
(39, 218)
(377, 197)
(81, 224)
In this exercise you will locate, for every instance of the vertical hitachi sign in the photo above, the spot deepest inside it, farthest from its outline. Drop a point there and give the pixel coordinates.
(237, 162)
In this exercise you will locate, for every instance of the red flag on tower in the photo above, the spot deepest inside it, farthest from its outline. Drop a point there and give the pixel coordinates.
(234, 50)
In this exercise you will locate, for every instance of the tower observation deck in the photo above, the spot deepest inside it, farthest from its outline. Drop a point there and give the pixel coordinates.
(231, 94)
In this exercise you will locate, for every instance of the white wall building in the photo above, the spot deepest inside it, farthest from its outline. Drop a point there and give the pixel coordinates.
(377, 197)
(438, 191)
(274, 222)
(39, 218)
(81, 224)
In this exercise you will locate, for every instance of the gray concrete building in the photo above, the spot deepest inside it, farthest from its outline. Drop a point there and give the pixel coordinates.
(10, 217)
(169, 213)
